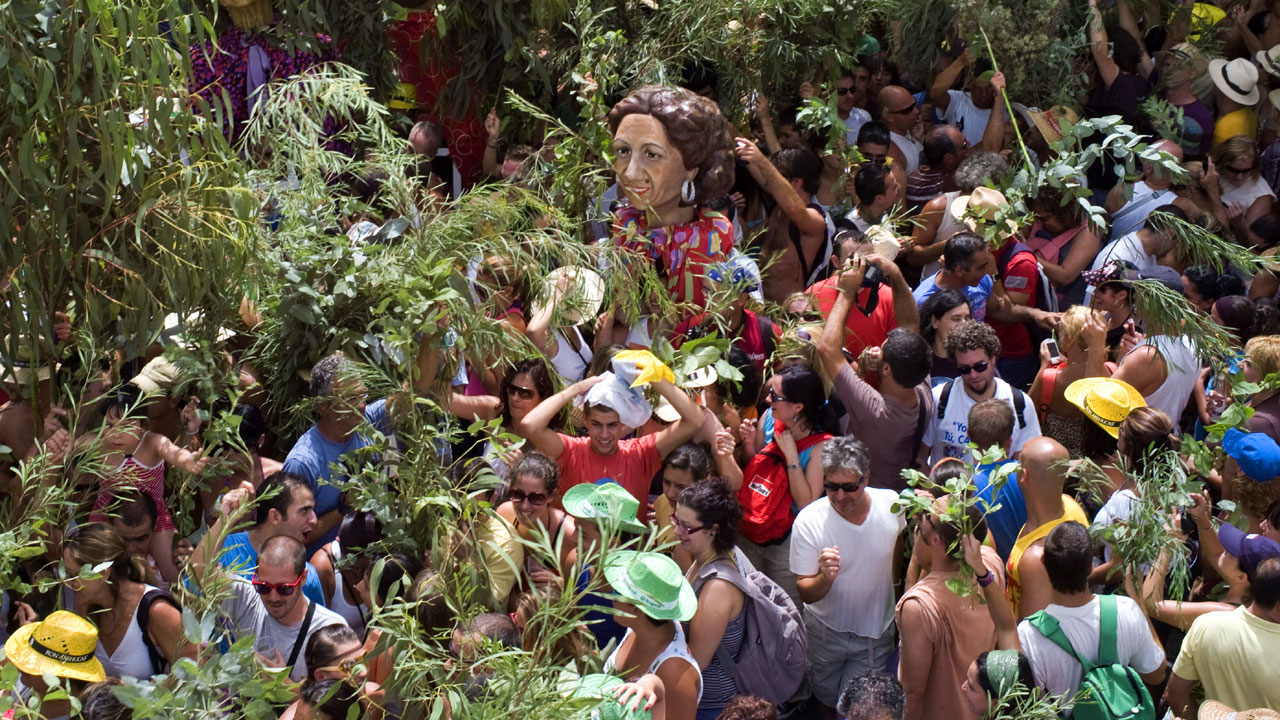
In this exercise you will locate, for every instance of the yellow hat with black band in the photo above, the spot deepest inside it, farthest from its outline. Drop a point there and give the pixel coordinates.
(1105, 401)
(62, 644)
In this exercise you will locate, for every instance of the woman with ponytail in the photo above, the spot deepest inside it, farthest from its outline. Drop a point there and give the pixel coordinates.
(137, 636)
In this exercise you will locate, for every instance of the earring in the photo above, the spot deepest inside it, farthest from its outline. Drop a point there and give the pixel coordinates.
(687, 192)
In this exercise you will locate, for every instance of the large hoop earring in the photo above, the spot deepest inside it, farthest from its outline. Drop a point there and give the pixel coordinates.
(688, 192)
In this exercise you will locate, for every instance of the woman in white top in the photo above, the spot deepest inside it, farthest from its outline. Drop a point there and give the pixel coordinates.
(525, 385)
(342, 563)
(1245, 194)
(653, 596)
(1144, 431)
(111, 599)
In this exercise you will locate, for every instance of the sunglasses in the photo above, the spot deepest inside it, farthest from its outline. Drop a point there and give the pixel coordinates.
(976, 367)
(686, 529)
(346, 667)
(1240, 171)
(843, 91)
(283, 589)
(523, 393)
(537, 498)
(775, 397)
(849, 488)
(910, 108)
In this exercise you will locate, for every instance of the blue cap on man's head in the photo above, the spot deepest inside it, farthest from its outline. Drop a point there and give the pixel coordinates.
(1257, 453)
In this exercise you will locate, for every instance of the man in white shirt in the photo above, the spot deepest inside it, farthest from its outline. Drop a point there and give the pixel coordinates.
(842, 551)
(970, 111)
(851, 89)
(1068, 560)
(974, 347)
(1141, 248)
(899, 112)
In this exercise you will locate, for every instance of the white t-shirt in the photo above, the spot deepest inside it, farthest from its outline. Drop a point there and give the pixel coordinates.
(1058, 672)
(857, 118)
(1116, 510)
(966, 117)
(911, 149)
(949, 437)
(861, 597)
(249, 616)
(1246, 192)
(1128, 248)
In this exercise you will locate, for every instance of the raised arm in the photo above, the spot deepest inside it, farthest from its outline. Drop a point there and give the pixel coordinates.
(766, 123)
(993, 137)
(673, 436)
(808, 221)
(492, 128)
(939, 91)
(904, 303)
(234, 506)
(535, 428)
(831, 343)
(1108, 70)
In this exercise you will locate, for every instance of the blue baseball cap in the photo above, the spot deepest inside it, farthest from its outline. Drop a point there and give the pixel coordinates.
(1249, 550)
(1257, 453)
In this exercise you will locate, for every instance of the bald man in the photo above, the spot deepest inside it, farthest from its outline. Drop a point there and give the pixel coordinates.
(1149, 193)
(899, 112)
(1044, 472)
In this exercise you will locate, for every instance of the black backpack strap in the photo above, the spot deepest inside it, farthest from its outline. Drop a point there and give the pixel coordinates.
(945, 397)
(807, 266)
(158, 662)
(1020, 405)
(302, 636)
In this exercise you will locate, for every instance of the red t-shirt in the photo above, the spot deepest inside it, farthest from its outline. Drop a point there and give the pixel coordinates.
(633, 466)
(860, 331)
(1021, 276)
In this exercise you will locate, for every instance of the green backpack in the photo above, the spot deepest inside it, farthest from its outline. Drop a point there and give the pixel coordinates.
(1108, 690)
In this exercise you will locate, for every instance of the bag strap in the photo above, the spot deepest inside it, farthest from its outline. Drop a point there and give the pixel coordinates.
(1047, 625)
(346, 581)
(158, 661)
(1020, 408)
(921, 421)
(793, 232)
(1047, 380)
(945, 397)
(1108, 654)
(302, 635)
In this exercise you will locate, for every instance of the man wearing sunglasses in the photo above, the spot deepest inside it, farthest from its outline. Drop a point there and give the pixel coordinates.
(270, 605)
(842, 550)
(975, 348)
(902, 116)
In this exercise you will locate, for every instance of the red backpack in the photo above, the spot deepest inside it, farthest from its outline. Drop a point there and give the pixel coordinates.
(765, 494)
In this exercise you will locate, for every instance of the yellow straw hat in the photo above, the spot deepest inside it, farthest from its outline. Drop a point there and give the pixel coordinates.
(61, 644)
(1105, 401)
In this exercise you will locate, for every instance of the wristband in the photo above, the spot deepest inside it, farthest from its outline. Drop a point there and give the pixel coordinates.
(985, 579)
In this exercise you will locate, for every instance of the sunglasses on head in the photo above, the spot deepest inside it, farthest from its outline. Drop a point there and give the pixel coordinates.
(976, 367)
(346, 666)
(849, 488)
(523, 393)
(283, 589)
(536, 498)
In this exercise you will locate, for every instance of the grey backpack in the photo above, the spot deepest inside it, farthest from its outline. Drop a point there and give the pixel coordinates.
(771, 662)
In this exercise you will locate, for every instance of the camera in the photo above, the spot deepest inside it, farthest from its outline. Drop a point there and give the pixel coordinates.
(873, 277)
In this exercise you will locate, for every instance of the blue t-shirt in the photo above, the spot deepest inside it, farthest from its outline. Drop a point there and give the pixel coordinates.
(1006, 522)
(603, 625)
(238, 553)
(976, 294)
(311, 456)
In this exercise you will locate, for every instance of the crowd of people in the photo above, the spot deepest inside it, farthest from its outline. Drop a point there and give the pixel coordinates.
(880, 319)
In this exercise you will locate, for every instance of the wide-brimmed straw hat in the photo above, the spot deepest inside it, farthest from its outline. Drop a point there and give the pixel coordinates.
(1214, 710)
(984, 202)
(1237, 79)
(19, 368)
(582, 296)
(1055, 122)
(605, 502)
(1105, 401)
(61, 644)
(653, 583)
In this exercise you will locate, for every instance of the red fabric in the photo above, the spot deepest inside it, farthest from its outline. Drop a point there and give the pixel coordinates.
(767, 508)
(633, 466)
(1022, 276)
(749, 339)
(683, 251)
(860, 331)
(465, 135)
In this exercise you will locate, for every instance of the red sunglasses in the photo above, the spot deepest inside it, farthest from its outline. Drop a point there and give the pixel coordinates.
(284, 589)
